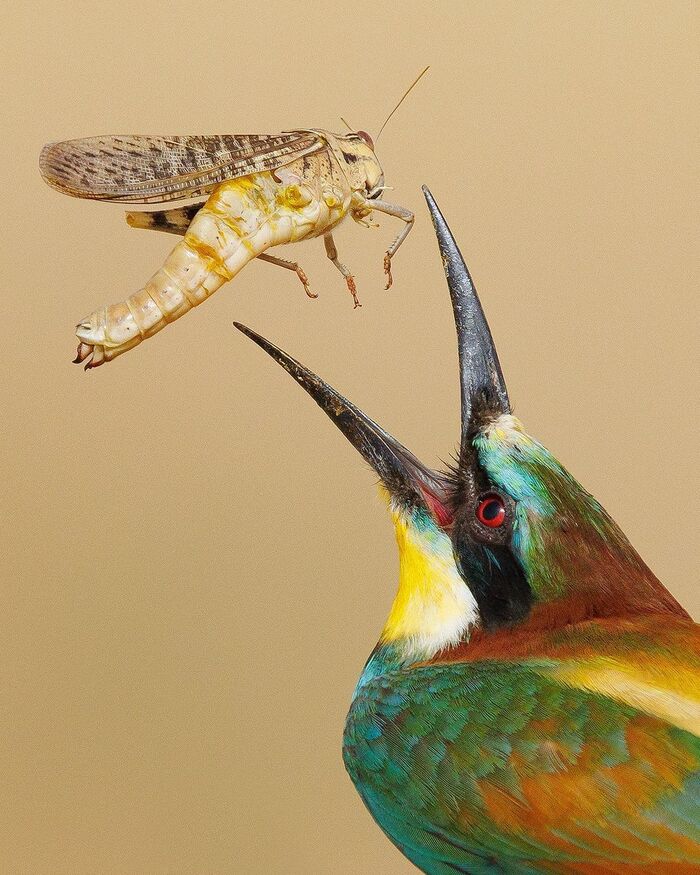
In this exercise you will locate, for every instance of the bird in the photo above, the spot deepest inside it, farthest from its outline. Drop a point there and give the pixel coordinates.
(533, 702)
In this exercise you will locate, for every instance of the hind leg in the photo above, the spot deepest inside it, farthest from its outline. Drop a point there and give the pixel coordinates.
(289, 265)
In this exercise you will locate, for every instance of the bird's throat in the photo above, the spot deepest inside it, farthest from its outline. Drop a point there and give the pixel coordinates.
(433, 609)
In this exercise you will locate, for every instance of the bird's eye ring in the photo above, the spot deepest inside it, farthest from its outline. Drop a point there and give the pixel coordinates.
(491, 511)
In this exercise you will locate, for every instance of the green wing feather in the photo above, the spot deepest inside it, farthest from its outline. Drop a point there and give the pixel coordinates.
(489, 767)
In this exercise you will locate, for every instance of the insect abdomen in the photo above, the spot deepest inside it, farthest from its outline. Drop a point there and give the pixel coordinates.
(242, 218)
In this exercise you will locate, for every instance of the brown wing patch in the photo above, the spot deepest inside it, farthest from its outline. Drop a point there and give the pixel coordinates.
(145, 169)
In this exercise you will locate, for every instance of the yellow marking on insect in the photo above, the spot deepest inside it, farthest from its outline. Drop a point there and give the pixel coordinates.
(245, 183)
(244, 216)
(332, 198)
(665, 689)
(294, 196)
(210, 254)
(433, 608)
(253, 190)
(249, 189)
(139, 220)
(231, 223)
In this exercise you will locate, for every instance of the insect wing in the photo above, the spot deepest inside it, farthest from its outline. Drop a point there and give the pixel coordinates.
(145, 169)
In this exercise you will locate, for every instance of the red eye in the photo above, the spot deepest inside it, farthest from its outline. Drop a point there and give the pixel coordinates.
(491, 511)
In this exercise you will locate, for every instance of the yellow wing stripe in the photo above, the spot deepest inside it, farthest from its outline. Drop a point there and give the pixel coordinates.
(665, 690)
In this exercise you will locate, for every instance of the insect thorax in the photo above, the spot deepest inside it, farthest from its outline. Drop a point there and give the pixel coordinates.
(357, 161)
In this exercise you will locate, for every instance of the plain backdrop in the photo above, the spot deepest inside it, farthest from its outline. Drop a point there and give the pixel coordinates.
(195, 564)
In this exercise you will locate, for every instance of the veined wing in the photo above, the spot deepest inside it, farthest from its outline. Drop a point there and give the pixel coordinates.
(151, 169)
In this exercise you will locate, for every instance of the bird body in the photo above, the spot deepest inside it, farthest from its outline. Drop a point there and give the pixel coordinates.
(533, 702)
(553, 748)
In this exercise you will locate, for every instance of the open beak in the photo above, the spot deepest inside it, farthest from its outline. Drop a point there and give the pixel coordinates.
(483, 392)
(483, 389)
(407, 479)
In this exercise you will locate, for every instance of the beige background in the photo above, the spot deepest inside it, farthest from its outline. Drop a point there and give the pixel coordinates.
(195, 564)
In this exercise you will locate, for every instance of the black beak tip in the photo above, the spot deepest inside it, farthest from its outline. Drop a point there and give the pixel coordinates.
(281, 357)
(446, 241)
(435, 213)
(247, 331)
(256, 338)
(432, 206)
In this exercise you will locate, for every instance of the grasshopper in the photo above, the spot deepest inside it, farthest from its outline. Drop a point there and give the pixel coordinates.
(261, 190)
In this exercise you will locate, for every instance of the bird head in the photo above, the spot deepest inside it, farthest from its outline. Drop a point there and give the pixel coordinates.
(505, 537)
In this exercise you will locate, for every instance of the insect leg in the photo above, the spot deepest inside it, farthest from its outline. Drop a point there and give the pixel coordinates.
(398, 213)
(332, 253)
(290, 265)
(174, 221)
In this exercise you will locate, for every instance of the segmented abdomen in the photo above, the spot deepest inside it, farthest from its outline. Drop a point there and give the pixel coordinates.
(241, 219)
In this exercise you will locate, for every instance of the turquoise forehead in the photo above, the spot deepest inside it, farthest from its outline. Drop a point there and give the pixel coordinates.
(518, 464)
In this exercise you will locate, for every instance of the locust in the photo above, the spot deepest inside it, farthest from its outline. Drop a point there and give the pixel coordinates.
(255, 191)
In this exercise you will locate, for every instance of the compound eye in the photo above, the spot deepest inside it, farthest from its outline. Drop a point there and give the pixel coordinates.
(363, 135)
(491, 511)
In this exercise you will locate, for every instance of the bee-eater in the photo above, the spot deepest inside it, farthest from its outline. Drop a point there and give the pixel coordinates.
(533, 703)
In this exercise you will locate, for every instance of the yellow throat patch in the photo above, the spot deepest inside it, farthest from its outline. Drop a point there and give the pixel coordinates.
(434, 607)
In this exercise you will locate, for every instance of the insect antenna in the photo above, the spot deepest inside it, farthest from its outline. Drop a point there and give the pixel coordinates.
(405, 95)
(346, 124)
